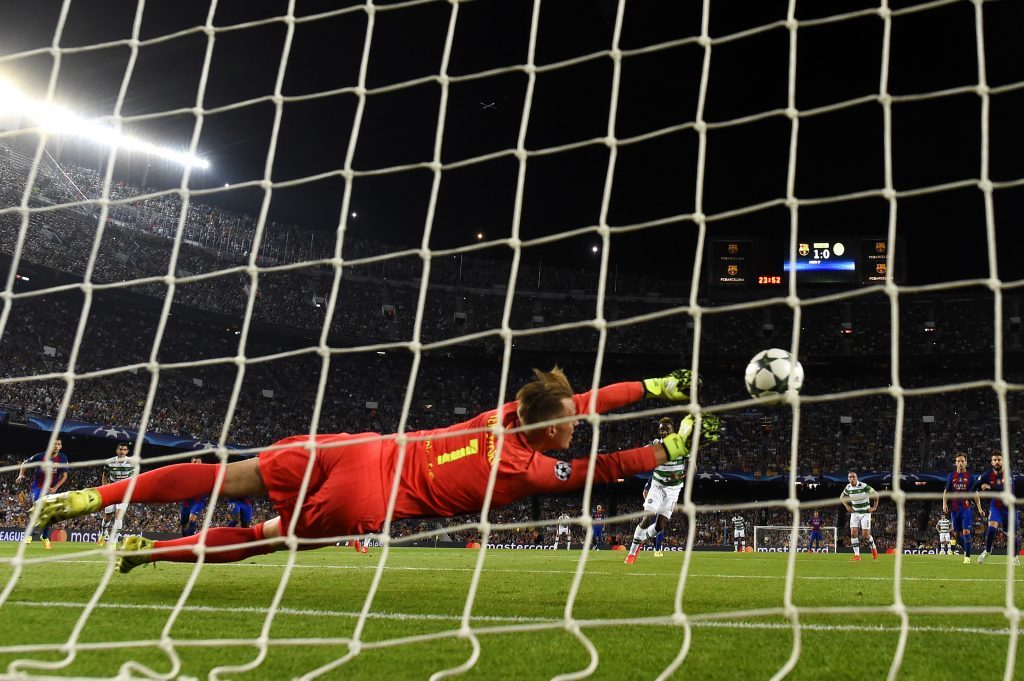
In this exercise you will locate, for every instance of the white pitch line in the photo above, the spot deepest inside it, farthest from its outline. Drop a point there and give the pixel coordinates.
(713, 624)
(280, 611)
(603, 573)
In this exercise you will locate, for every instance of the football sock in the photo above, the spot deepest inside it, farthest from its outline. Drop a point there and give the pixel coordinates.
(990, 535)
(169, 483)
(659, 539)
(966, 541)
(216, 536)
(855, 543)
(191, 528)
(639, 536)
(46, 532)
(232, 523)
(871, 541)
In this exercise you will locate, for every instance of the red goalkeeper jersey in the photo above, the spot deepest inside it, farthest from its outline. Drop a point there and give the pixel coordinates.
(446, 473)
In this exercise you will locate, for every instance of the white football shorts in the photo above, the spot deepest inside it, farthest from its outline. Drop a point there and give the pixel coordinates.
(662, 500)
(860, 520)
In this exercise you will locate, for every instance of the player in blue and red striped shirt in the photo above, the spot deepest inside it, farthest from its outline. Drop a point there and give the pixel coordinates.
(960, 483)
(240, 511)
(58, 477)
(998, 514)
(192, 509)
(815, 544)
(598, 526)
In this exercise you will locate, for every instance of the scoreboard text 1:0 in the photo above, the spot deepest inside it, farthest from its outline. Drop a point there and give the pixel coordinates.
(832, 261)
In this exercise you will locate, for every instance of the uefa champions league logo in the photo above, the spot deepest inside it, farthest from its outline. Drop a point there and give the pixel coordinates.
(563, 469)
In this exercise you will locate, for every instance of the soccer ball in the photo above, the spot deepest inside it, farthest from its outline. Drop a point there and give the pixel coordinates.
(770, 373)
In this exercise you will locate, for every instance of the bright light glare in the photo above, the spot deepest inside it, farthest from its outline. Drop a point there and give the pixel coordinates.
(60, 121)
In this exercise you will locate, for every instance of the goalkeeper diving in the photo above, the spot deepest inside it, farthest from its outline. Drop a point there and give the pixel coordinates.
(444, 472)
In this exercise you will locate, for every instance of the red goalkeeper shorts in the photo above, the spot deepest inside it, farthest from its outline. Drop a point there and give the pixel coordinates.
(345, 494)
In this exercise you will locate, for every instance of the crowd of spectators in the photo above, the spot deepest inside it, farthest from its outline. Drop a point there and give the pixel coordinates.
(378, 295)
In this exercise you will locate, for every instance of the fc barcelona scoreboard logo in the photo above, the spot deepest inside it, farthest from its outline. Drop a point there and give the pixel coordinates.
(763, 263)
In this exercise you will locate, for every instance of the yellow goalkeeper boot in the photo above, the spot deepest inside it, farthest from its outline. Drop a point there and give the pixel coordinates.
(57, 507)
(126, 564)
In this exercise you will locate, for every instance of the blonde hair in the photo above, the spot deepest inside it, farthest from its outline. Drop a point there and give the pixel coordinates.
(541, 398)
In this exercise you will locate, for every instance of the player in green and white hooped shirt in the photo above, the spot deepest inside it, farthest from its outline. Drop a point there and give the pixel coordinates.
(563, 531)
(861, 501)
(118, 467)
(739, 534)
(944, 525)
(661, 494)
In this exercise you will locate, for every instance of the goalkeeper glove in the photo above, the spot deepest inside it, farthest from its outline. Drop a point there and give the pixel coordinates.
(674, 387)
(677, 445)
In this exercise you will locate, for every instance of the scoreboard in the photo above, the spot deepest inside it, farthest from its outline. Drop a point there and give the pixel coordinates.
(820, 261)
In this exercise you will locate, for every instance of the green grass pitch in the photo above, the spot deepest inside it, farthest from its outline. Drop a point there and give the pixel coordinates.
(423, 592)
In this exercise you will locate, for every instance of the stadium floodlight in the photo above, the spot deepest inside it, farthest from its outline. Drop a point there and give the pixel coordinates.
(58, 120)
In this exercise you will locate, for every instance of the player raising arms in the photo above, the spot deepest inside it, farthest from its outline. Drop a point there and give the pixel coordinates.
(959, 483)
(57, 478)
(117, 467)
(860, 501)
(992, 481)
(662, 491)
(444, 472)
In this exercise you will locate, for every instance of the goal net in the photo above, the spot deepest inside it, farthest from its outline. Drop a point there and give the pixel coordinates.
(223, 225)
(779, 539)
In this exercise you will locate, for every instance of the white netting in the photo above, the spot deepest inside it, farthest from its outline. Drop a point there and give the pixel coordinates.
(769, 538)
(175, 276)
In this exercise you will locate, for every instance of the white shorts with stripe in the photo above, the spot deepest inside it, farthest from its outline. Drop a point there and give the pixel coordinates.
(860, 520)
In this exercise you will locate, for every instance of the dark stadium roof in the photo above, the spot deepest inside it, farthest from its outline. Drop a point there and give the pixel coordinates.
(935, 140)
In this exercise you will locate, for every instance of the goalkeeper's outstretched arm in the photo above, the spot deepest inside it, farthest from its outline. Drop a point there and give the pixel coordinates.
(552, 475)
(674, 387)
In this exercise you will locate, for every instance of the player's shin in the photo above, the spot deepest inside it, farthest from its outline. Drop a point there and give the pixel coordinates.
(966, 541)
(990, 537)
(639, 537)
(855, 543)
(216, 537)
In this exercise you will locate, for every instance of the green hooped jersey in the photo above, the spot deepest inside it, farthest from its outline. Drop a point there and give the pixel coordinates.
(943, 526)
(859, 496)
(118, 469)
(670, 473)
(673, 473)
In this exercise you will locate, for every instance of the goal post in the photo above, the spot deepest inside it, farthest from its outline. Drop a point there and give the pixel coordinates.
(775, 538)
